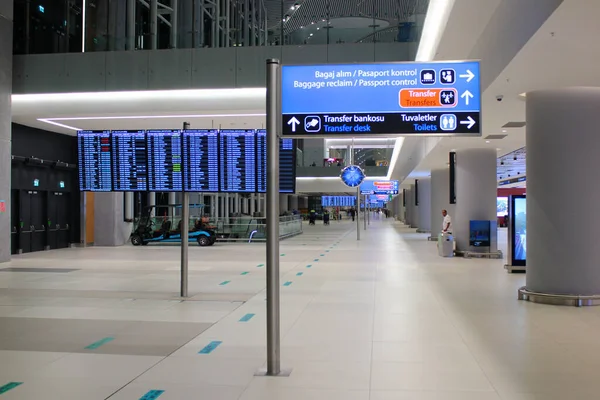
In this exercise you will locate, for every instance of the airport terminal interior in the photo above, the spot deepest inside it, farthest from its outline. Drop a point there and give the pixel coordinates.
(299, 199)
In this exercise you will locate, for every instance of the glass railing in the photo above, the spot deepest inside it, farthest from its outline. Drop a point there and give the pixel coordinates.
(243, 229)
(48, 26)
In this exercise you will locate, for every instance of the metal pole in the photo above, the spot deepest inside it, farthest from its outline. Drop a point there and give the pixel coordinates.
(185, 222)
(201, 25)
(272, 207)
(131, 24)
(246, 25)
(185, 225)
(174, 24)
(358, 213)
(153, 24)
(369, 214)
(366, 215)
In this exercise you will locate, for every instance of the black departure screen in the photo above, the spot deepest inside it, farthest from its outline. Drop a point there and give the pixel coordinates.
(237, 151)
(201, 160)
(94, 161)
(164, 161)
(287, 163)
(130, 169)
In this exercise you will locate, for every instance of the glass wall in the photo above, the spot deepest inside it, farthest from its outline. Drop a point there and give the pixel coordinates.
(59, 26)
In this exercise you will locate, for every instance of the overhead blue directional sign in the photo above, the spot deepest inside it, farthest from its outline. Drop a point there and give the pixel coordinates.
(436, 99)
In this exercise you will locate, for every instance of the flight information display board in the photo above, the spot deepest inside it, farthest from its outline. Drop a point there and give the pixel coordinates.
(94, 153)
(201, 160)
(129, 161)
(164, 161)
(338, 201)
(287, 163)
(237, 153)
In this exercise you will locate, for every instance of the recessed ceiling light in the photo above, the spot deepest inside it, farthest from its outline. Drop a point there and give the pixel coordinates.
(311, 34)
(487, 141)
(503, 130)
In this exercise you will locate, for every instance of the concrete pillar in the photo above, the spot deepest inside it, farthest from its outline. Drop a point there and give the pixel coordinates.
(476, 191)
(424, 205)
(292, 202)
(110, 229)
(414, 209)
(152, 202)
(6, 42)
(409, 206)
(563, 191)
(440, 199)
(283, 202)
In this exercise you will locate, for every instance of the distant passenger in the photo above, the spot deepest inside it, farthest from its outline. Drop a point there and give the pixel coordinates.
(447, 224)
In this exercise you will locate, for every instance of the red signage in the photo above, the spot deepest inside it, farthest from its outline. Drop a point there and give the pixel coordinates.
(2, 206)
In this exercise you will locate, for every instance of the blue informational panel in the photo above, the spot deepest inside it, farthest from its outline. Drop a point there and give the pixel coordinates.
(237, 153)
(129, 161)
(438, 99)
(201, 160)
(379, 187)
(94, 153)
(164, 161)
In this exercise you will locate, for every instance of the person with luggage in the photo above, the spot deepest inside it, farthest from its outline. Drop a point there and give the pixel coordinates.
(312, 217)
(447, 224)
(353, 213)
(326, 217)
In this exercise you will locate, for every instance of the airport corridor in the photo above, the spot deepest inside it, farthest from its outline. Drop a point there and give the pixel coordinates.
(383, 318)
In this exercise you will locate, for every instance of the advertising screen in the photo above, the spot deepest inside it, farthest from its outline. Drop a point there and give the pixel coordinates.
(519, 230)
(94, 153)
(502, 206)
(479, 233)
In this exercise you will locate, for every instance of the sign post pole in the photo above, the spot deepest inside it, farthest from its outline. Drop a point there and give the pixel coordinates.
(185, 221)
(366, 215)
(358, 212)
(272, 213)
(369, 215)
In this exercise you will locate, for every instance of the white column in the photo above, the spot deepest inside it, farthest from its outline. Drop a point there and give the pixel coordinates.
(283, 202)
(476, 191)
(6, 55)
(152, 202)
(563, 191)
(252, 204)
(440, 199)
(129, 206)
(424, 205)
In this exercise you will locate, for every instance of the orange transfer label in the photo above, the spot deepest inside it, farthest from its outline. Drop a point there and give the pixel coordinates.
(424, 98)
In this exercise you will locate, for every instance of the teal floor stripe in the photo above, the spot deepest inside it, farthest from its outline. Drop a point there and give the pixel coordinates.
(151, 395)
(299, 273)
(309, 266)
(322, 255)
(99, 343)
(9, 386)
(210, 347)
(224, 283)
(245, 273)
(260, 265)
(316, 259)
(288, 283)
(246, 318)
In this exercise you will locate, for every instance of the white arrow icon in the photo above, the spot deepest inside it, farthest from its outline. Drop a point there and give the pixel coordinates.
(468, 76)
(293, 122)
(467, 96)
(469, 122)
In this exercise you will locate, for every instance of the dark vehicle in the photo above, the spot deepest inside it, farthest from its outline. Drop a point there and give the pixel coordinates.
(162, 224)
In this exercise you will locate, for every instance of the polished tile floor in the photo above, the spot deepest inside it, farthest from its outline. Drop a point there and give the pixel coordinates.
(383, 318)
